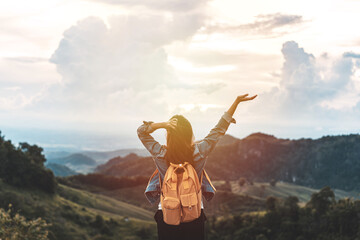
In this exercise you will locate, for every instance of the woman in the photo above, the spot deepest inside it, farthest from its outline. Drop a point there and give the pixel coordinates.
(180, 147)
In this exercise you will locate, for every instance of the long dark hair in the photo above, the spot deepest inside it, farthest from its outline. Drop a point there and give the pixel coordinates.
(180, 145)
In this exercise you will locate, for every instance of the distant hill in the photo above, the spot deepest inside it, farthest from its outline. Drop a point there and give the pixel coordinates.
(226, 140)
(133, 164)
(50, 154)
(107, 167)
(74, 159)
(99, 156)
(60, 170)
(102, 157)
(330, 160)
(128, 167)
(77, 162)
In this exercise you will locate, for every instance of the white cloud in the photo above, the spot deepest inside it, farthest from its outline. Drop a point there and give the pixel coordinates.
(24, 81)
(96, 61)
(265, 25)
(130, 53)
(121, 68)
(170, 5)
(312, 91)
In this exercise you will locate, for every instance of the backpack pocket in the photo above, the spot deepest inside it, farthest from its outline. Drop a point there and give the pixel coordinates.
(171, 210)
(191, 206)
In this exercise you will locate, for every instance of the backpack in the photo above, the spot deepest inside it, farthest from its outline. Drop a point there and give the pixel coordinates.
(180, 194)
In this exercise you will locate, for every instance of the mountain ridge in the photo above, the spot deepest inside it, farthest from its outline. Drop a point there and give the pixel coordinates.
(329, 160)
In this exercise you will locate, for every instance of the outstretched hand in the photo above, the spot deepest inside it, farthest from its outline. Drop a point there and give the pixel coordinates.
(239, 99)
(244, 97)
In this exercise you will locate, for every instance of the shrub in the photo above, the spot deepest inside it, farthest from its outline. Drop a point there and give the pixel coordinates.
(242, 181)
(15, 226)
(273, 182)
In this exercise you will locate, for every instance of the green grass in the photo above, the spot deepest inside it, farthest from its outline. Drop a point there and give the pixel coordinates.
(105, 204)
(283, 190)
(78, 214)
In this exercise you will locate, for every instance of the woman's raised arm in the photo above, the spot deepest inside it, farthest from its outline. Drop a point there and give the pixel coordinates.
(208, 143)
(144, 130)
(239, 99)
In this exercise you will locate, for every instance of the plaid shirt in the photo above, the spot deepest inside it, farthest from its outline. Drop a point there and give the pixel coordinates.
(201, 151)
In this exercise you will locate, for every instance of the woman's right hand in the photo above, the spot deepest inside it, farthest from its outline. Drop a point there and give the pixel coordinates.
(244, 97)
(172, 123)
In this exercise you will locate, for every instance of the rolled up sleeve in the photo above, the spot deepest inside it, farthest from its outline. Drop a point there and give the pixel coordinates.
(209, 142)
(148, 141)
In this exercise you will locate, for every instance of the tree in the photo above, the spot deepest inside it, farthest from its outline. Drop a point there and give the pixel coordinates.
(33, 152)
(321, 200)
(270, 203)
(23, 166)
(292, 207)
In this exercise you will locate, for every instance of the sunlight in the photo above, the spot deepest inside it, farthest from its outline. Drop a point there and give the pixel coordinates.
(187, 107)
(187, 66)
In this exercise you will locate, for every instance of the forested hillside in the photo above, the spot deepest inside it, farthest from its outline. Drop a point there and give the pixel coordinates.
(328, 161)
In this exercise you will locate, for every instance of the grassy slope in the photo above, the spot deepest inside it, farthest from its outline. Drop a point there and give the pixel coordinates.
(73, 213)
(282, 190)
(105, 204)
(133, 195)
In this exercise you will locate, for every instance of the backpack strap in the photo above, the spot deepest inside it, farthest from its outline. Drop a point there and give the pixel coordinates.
(153, 175)
(207, 177)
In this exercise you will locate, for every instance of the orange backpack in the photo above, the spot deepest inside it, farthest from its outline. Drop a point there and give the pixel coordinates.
(180, 194)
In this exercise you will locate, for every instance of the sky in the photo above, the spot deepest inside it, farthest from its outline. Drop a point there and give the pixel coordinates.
(84, 74)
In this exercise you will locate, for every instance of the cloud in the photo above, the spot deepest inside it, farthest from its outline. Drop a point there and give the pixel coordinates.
(27, 59)
(24, 81)
(108, 69)
(95, 59)
(351, 55)
(307, 83)
(236, 69)
(307, 80)
(170, 5)
(270, 25)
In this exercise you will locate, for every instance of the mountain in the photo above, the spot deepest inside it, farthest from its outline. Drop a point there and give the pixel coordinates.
(330, 160)
(107, 167)
(226, 140)
(133, 164)
(50, 154)
(77, 162)
(73, 159)
(128, 167)
(60, 170)
(102, 157)
(99, 156)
